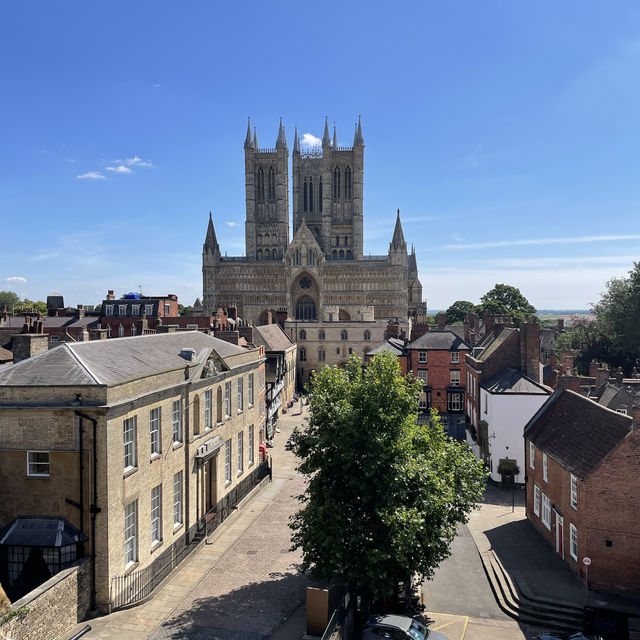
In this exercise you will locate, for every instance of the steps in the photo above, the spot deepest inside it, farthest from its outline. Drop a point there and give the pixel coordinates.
(561, 616)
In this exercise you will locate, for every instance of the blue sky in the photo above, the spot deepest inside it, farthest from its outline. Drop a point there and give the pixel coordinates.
(507, 133)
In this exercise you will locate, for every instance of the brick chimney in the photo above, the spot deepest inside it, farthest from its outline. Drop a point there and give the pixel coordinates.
(269, 317)
(441, 321)
(110, 295)
(246, 332)
(530, 349)
(232, 313)
(26, 345)
(97, 333)
(79, 312)
(281, 317)
(228, 336)
(560, 324)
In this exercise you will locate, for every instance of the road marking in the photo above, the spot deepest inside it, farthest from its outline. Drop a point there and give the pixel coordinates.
(457, 624)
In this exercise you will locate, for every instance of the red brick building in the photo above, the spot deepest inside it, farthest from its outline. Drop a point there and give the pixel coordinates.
(437, 358)
(583, 487)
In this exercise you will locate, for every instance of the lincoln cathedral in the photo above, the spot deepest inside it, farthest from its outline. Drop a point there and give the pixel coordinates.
(321, 274)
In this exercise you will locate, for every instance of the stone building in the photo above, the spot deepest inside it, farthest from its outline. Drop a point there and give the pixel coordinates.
(321, 273)
(133, 441)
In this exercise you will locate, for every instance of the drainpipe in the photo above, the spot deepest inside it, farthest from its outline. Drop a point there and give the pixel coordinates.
(94, 510)
(187, 438)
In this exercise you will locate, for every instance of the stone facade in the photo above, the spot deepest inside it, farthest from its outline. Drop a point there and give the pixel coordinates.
(177, 423)
(322, 274)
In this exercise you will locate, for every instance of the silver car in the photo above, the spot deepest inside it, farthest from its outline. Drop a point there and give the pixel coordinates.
(393, 627)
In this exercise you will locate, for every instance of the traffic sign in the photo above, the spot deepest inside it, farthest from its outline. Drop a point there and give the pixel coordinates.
(586, 561)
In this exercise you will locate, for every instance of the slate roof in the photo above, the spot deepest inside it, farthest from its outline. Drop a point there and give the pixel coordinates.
(271, 337)
(439, 340)
(112, 361)
(490, 343)
(576, 432)
(391, 345)
(513, 381)
(42, 531)
(48, 322)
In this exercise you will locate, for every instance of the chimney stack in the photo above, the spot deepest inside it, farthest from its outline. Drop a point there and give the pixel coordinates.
(441, 321)
(26, 345)
(79, 312)
(110, 295)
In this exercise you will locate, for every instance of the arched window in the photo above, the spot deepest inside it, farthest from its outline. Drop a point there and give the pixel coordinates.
(296, 259)
(259, 238)
(311, 194)
(303, 354)
(320, 196)
(334, 255)
(336, 183)
(337, 241)
(346, 241)
(274, 254)
(347, 182)
(271, 194)
(306, 309)
(120, 331)
(134, 330)
(344, 335)
(341, 254)
(108, 331)
(321, 334)
(321, 355)
(349, 254)
(259, 254)
(367, 334)
(267, 255)
(303, 334)
(219, 405)
(260, 185)
(350, 350)
(310, 259)
(305, 207)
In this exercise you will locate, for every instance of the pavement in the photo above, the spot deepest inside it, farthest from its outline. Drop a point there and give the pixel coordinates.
(242, 583)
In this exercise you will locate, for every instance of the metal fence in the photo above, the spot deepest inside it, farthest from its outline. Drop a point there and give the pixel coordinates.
(133, 587)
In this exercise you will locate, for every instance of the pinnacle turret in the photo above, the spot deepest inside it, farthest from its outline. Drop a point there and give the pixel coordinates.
(335, 137)
(296, 142)
(358, 140)
(281, 142)
(326, 140)
(247, 141)
(398, 241)
(255, 139)
(211, 242)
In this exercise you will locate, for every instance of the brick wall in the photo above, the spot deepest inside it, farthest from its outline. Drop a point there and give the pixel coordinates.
(54, 607)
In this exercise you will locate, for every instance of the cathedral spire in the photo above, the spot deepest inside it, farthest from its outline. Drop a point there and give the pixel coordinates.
(211, 242)
(296, 143)
(358, 140)
(326, 140)
(255, 139)
(398, 240)
(335, 137)
(281, 142)
(247, 140)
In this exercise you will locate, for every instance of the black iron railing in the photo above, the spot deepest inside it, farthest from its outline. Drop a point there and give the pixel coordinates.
(133, 587)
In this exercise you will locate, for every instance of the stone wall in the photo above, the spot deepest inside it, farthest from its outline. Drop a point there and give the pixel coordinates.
(54, 607)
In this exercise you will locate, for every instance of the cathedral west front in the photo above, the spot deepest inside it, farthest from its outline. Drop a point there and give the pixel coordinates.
(320, 274)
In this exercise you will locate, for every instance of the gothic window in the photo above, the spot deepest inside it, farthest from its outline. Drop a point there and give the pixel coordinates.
(320, 196)
(337, 241)
(271, 193)
(321, 355)
(349, 254)
(341, 254)
(259, 238)
(305, 283)
(311, 194)
(303, 334)
(259, 254)
(344, 335)
(346, 241)
(347, 182)
(350, 350)
(336, 183)
(267, 255)
(296, 259)
(274, 254)
(305, 309)
(305, 208)
(334, 255)
(321, 334)
(367, 334)
(260, 185)
(310, 256)
(303, 354)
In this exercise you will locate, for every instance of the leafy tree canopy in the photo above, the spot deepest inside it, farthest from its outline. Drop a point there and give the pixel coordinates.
(39, 305)
(456, 313)
(185, 311)
(504, 298)
(9, 299)
(385, 494)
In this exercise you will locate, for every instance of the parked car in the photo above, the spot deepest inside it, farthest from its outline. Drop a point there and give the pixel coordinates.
(393, 627)
(558, 635)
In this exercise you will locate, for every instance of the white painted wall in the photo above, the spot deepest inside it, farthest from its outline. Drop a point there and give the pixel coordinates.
(507, 414)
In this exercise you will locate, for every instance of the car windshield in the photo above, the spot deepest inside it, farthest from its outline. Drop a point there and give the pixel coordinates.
(417, 631)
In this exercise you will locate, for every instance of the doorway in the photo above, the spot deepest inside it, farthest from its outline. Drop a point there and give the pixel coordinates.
(210, 484)
(559, 535)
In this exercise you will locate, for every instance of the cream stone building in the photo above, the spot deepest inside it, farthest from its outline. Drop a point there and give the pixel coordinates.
(137, 442)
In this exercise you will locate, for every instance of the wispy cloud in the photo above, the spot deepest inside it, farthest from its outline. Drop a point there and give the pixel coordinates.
(119, 169)
(309, 140)
(45, 256)
(91, 175)
(136, 161)
(16, 280)
(537, 241)
(231, 224)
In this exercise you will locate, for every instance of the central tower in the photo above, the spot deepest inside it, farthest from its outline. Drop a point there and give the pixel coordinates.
(327, 194)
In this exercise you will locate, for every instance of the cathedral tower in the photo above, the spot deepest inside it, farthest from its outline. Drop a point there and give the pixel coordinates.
(327, 194)
(267, 197)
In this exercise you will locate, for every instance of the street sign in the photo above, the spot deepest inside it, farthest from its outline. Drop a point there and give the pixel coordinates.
(586, 561)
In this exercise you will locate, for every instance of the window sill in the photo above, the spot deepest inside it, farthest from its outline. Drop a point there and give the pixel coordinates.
(39, 476)
(227, 483)
(131, 567)
(178, 527)
(129, 471)
(154, 457)
(240, 411)
(156, 545)
(177, 445)
(240, 473)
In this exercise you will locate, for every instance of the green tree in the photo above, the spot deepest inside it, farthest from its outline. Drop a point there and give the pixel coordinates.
(456, 313)
(586, 340)
(185, 311)
(39, 305)
(617, 315)
(504, 298)
(9, 299)
(385, 494)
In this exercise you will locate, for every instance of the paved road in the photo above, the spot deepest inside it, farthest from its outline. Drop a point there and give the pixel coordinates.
(460, 585)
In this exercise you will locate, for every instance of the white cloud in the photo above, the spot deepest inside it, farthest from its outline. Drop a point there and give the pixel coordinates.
(136, 161)
(119, 169)
(91, 175)
(309, 140)
(534, 241)
(232, 224)
(16, 280)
